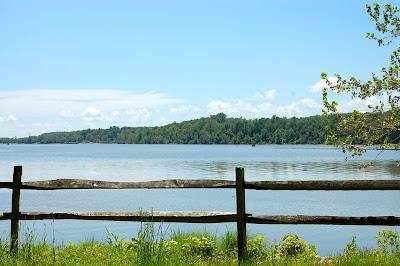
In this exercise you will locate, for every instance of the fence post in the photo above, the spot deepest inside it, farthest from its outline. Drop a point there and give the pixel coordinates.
(241, 214)
(15, 208)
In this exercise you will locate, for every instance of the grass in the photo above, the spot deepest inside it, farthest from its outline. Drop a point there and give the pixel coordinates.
(153, 247)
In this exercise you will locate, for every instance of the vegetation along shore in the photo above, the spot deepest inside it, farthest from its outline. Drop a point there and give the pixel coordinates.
(152, 247)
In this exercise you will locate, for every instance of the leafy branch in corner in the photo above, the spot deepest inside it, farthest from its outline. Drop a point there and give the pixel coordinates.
(379, 126)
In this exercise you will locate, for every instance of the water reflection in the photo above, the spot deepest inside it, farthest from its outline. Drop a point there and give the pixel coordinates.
(155, 162)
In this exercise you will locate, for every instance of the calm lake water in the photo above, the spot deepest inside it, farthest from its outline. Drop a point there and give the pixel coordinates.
(156, 162)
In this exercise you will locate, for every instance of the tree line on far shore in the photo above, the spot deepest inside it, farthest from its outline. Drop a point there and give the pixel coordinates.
(216, 129)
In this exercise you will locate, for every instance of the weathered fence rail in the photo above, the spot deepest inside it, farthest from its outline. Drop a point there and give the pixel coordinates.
(180, 217)
(201, 183)
(240, 217)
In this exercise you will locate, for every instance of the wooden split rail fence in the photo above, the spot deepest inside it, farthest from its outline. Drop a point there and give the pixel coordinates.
(241, 218)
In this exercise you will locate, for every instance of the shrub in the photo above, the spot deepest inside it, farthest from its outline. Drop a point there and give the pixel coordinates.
(388, 242)
(351, 247)
(256, 247)
(201, 246)
(293, 246)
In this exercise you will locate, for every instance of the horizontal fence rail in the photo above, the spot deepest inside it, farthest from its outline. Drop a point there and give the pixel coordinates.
(93, 184)
(206, 217)
(174, 217)
(212, 183)
(325, 185)
(334, 220)
(240, 217)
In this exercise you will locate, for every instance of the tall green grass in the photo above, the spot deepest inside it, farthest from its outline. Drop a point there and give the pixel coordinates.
(153, 246)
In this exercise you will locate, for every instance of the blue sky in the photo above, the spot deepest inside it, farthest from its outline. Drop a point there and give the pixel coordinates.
(67, 65)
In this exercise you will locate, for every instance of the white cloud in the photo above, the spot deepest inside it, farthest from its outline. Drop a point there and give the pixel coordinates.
(218, 106)
(138, 115)
(239, 108)
(268, 95)
(184, 109)
(92, 113)
(77, 109)
(11, 118)
(359, 104)
(320, 85)
(233, 108)
(66, 113)
(299, 108)
(8, 118)
(309, 103)
(67, 102)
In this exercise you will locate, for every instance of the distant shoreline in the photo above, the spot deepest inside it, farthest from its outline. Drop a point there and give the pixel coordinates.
(194, 144)
(216, 129)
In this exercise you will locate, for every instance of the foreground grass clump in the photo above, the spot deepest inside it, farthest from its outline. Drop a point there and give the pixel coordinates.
(151, 247)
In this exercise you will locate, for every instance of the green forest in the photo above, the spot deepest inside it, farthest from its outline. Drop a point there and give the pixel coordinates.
(216, 129)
